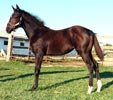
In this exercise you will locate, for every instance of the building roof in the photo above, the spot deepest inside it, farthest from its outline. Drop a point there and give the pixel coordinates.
(17, 36)
(5, 34)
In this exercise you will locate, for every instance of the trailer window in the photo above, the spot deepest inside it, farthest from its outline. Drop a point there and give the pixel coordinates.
(21, 44)
(5, 42)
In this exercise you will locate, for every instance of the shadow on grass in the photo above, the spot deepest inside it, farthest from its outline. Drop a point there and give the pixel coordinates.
(104, 75)
(107, 75)
(63, 83)
(18, 77)
(42, 73)
(57, 72)
(2, 76)
(4, 69)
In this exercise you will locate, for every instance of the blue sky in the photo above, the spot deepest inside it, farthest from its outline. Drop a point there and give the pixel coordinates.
(96, 15)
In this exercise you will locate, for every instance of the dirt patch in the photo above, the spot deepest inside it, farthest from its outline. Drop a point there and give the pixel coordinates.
(64, 63)
(73, 62)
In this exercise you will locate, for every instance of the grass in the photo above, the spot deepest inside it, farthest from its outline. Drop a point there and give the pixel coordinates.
(56, 83)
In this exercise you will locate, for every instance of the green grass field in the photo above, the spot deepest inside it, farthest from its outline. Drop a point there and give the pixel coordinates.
(56, 83)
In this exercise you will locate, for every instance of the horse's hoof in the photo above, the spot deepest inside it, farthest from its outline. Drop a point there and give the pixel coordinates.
(90, 88)
(33, 88)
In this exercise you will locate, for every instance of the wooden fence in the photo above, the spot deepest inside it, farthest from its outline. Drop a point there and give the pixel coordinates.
(107, 49)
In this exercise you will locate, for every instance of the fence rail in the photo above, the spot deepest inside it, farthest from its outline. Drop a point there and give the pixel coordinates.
(20, 47)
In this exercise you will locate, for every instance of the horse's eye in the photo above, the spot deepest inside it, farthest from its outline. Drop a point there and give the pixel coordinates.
(16, 16)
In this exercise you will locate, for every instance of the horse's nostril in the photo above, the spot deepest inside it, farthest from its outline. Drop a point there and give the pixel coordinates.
(8, 30)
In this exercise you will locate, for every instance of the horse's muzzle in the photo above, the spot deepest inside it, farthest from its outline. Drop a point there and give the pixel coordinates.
(9, 29)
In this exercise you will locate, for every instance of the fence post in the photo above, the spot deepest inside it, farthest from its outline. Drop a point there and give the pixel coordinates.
(29, 51)
(9, 47)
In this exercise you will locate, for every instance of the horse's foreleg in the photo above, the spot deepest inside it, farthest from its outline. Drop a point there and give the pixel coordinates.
(38, 61)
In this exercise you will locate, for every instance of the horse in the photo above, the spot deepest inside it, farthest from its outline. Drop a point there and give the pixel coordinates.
(47, 41)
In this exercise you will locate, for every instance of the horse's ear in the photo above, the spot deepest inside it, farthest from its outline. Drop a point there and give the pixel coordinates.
(17, 7)
(13, 8)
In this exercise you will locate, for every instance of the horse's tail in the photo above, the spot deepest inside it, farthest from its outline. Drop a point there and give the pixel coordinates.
(98, 49)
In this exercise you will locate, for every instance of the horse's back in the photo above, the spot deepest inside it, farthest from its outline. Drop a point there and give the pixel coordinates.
(59, 42)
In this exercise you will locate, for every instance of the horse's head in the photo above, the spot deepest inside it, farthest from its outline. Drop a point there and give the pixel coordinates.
(15, 20)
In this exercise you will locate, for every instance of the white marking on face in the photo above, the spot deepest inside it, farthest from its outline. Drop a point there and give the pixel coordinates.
(16, 24)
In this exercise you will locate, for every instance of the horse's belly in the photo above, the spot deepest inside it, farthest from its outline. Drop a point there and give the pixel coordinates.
(57, 50)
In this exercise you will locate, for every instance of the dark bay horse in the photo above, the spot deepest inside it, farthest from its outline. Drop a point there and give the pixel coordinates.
(45, 41)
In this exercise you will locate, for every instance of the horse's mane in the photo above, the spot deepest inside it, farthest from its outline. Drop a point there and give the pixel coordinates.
(35, 19)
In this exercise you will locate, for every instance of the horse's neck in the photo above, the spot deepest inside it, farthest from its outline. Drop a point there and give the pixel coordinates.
(31, 28)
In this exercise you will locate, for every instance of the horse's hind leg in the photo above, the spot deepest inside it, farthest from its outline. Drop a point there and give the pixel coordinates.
(86, 58)
(96, 69)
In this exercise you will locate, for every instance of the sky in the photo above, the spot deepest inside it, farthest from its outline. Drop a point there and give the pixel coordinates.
(96, 15)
